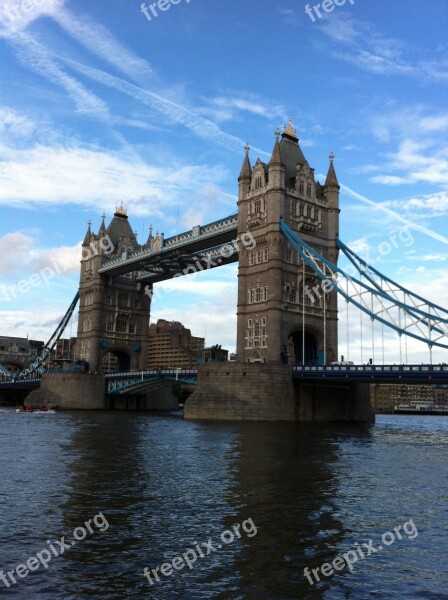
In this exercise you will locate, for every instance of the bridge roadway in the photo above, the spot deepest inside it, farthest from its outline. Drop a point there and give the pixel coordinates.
(201, 245)
(120, 383)
(9, 383)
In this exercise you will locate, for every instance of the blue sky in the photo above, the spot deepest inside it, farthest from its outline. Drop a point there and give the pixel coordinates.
(99, 105)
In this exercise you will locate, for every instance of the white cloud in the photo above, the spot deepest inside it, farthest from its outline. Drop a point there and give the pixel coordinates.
(15, 125)
(41, 60)
(93, 177)
(100, 42)
(371, 51)
(21, 255)
(16, 15)
(290, 16)
(431, 205)
(229, 106)
(389, 180)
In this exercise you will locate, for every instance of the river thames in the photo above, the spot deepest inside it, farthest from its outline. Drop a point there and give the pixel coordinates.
(90, 502)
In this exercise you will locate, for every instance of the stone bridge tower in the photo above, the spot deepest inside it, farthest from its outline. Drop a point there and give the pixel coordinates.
(281, 304)
(113, 318)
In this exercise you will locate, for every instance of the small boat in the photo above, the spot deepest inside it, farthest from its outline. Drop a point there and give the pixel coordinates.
(32, 409)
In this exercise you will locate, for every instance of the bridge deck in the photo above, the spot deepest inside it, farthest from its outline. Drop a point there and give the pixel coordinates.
(177, 251)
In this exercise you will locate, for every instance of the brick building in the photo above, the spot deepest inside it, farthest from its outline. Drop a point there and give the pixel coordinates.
(171, 345)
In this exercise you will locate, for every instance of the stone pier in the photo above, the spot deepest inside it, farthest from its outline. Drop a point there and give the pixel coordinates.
(268, 392)
(86, 391)
(70, 391)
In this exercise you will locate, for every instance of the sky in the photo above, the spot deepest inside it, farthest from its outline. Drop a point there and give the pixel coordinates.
(102, 104)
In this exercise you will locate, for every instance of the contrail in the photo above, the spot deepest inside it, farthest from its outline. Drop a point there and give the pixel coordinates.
(392, 213)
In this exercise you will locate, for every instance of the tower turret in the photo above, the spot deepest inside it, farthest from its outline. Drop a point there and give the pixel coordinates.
(331, 195)
(245, 176)
(276, 166)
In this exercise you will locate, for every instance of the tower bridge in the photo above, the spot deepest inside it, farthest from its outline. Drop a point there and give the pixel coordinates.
(285, 238)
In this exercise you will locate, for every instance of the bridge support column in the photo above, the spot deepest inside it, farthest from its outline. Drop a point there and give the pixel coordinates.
(243, 391)
(70, 391)
(267, 392)
(334, 401)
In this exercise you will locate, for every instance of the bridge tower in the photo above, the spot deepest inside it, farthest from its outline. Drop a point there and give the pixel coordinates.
(113, 321)
(280, 301)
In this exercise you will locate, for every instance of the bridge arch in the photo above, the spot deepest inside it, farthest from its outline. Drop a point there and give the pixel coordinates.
(115, 360)
(310, 355)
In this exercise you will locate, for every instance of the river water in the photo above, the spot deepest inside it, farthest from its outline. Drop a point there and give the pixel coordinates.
(134, 490)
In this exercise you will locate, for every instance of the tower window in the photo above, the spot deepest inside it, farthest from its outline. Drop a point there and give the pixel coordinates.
(123, 300)
(308, 190)
(301, 188)
(258, 294)
(121, 325)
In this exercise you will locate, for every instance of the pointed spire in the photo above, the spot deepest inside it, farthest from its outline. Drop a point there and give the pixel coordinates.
(246, 169)
(276, 158)
(150, 237)
(88, 235)
(331, 179)
(102, 231)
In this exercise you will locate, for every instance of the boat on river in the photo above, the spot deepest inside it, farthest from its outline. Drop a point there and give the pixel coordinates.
(420, 407)
(32, 409)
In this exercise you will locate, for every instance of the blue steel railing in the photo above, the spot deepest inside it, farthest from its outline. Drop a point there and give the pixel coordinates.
(421, 372)
(120, 382)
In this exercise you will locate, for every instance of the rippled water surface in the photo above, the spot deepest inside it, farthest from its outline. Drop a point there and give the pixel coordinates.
(159, 486)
